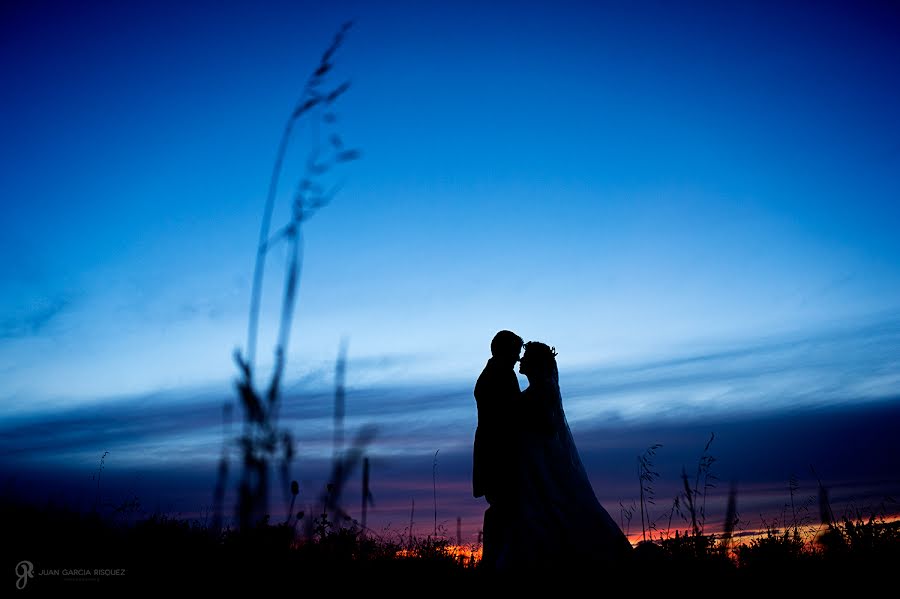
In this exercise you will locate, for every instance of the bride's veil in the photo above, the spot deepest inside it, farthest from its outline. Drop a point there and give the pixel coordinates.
(558, 505)
(561, 426)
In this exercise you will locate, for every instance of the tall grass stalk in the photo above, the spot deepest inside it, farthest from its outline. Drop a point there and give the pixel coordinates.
(262, 439)
(99, 473)
(434, 488)
(222, 471)
(646, 476)
(366, 494)
(412, 512)
(731, 517)
(697, 498)
(344, 461)
(311, 98)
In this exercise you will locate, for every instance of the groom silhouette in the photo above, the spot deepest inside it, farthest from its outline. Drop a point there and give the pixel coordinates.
(496, 392)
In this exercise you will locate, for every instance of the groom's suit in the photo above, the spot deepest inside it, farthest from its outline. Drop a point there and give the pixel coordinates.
(496, 392)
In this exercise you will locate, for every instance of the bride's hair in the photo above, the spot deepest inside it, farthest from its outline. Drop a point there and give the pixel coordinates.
(543, 356)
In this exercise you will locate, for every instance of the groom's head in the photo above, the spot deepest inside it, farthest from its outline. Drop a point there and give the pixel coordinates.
(506, 347)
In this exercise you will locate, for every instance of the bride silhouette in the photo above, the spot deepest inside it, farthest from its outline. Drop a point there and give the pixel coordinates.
(556, 520)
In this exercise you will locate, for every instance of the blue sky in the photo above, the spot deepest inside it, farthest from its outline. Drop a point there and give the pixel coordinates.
(643, 185)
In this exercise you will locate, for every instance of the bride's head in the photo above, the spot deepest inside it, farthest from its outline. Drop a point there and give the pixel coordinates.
(539, 361)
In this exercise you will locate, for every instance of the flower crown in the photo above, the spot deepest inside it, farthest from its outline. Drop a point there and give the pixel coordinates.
(541, 347)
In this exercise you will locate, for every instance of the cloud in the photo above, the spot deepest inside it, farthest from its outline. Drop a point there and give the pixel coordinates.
(777, 406)
(850, 447)
(35, 319)
(848, 364)
(134, 422)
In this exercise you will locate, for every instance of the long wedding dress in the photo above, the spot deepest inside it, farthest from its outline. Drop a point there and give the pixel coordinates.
(556, 520)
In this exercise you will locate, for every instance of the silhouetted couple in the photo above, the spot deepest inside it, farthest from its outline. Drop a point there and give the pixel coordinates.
(542, 511)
